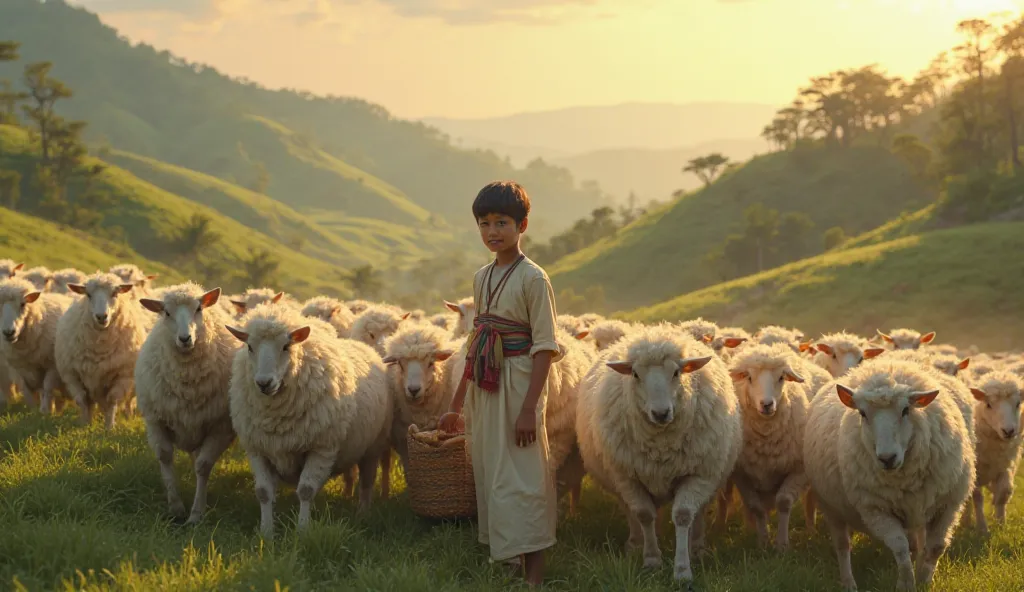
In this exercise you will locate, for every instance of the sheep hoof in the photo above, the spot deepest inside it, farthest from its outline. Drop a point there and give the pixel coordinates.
(652, 562)
(782, 546)
(178, 510)
(194, 519)
(684, 574)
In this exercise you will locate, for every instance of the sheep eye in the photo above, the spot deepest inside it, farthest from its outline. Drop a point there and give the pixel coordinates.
(860, 359)
(167, 313)
(287, 346)
(635, 375)
(862, 414)
(782, 378)
(750, 379)
(250, 347)
(988, 405)
(834, 357)
(372, 336)
(906, 411)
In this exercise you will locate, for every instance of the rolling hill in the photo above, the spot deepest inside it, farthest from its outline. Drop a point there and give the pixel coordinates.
(151, 217)
(325, 153)
(34, 241)
(946, 281)
(858, 188)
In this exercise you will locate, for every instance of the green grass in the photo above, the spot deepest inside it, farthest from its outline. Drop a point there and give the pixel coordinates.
(84, 509)
(34, 241)
(661, 255)
(150, 216)
(965, 283)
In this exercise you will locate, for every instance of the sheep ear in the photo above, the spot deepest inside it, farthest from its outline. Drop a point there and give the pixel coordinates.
(453, 307)
(738, 375)
(334, 311)
(964, 363)
(17, 268)
(277, 297)
(824, 348)
(846, 396)
(152, 277)
(873, 352)
(582, 335)
(151, 305)
(792, 376)
(389, 360)
(239, 306)
(806, 346)
(443, 355)
(210, 298)
(76, 288)
(621, 367)
(732, 342)
(238, 333)
(125, 288)
(923, 399)
(693, 364)
(406, 316)
(707, 339)
(978, 394)
(884, 336)
(32, 297)
(928, 337)
(299, 335)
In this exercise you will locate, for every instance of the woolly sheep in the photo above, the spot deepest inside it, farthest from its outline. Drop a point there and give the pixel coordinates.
(306, 406)
(28, 324)
(253, 297)
(358, 306)
(443, 320)
(466, 310)
(952, 365)
(659, 422)
(727, 339)
(9, 268)
(997, 424)
(906, 338)
(40, 277)
(63, 277)
(570, 323)
(772, 334)
(700, 329)
(98, 340)
(330, 310)
(181, 386)
(839, 352)
(590, 319)
(375, 324)
(132, 274)
(886, 455)
(607, 333)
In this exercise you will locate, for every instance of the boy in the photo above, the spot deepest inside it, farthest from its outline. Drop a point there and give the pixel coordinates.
(507, 362)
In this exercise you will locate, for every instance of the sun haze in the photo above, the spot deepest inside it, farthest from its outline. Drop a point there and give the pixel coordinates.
(478, 58)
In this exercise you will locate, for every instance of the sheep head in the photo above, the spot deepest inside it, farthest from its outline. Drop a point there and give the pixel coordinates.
(271, 351)
(765, 385)
(181, 309)
(16, 296)
(1000, 397)
(656, 386)
(102, 291)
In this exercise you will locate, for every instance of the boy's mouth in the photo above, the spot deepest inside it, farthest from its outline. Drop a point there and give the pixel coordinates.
(494, 242)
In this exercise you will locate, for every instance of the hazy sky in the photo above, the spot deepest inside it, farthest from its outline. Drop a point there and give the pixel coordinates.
(478, 58)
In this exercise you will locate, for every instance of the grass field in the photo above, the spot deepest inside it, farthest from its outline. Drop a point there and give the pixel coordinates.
(82, 509)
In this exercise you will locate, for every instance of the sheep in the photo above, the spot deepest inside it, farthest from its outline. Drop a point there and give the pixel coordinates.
(607, 333)
(98, 340)
(952, 365)
(590, 319)
(839, 352)
(358, 306)
(443, 320)
(181, 387)
(40, 277)
(997, 424)
(9, 268)
(727, 339)
(774, 398)
(375, 324)
(330, 310)
(132, 274)
(253, 297)
(658, 420)
(905, 338)
(28, 323)
(772, 334)
(700, 329)
(1017, 368)
(886, 455)
(466, 309)
(63, 277)
(306, 406)
(417, 315)
(570, 323)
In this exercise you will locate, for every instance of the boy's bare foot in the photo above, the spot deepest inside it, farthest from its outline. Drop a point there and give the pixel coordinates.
(533, 568)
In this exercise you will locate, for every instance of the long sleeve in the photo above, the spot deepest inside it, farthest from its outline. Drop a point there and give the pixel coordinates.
(540, 299)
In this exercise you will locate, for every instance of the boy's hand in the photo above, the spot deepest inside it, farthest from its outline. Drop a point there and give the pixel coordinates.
(451, 423)
(526, 428)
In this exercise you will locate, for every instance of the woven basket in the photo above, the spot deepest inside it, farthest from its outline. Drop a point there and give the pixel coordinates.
(440, 475)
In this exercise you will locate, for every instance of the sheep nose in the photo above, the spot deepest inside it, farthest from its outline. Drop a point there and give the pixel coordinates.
(1007, 433)
(767, 408)
(185, 339)
(9, 333)
(264, 384)
(887, 460)
(102, 318)
(414, 390)
(660, 416)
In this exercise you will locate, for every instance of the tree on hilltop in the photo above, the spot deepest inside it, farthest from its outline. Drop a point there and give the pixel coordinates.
(707, 168)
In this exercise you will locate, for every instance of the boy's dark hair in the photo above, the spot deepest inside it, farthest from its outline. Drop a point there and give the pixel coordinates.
(502, 197)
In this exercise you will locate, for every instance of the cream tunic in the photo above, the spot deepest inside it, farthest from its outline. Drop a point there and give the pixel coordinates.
(515, 487)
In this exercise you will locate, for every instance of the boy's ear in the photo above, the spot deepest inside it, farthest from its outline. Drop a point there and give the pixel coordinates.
(523, 225)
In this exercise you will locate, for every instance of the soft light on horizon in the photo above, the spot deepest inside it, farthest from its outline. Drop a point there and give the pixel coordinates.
(484, 58)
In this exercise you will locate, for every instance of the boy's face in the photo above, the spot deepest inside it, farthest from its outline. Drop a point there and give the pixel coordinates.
(499, 231)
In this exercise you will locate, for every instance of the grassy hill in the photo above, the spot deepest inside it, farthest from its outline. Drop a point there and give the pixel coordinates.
(951, 281)
(315, 149)
(34, 241)
(151, 217)
(661, 255)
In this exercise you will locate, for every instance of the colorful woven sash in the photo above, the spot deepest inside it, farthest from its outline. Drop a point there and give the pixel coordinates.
(494, 339)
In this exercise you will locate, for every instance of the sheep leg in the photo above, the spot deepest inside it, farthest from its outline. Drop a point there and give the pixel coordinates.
(28, 396)
(58, 405)
(385, 473)
(349, 477)
(809, 510)
(978, 497)
(266, 483)
(841, 542)
(636, 537)
(784, 499)
(160, 441)
(752, 502)
(51, 381)
(117, 394)
(691, 497)
(724, 499)
(697, 533)
(1002, 491)
(76, 390)
(211, 450)
(315, 472)
(890, 531)
(367, 475)
(641, 506)
(937, 536)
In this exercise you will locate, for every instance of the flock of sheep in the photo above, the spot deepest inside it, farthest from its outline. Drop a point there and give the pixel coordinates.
(889, 435)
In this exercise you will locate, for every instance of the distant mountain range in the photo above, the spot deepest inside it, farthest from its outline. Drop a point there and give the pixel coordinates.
(639, 147)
